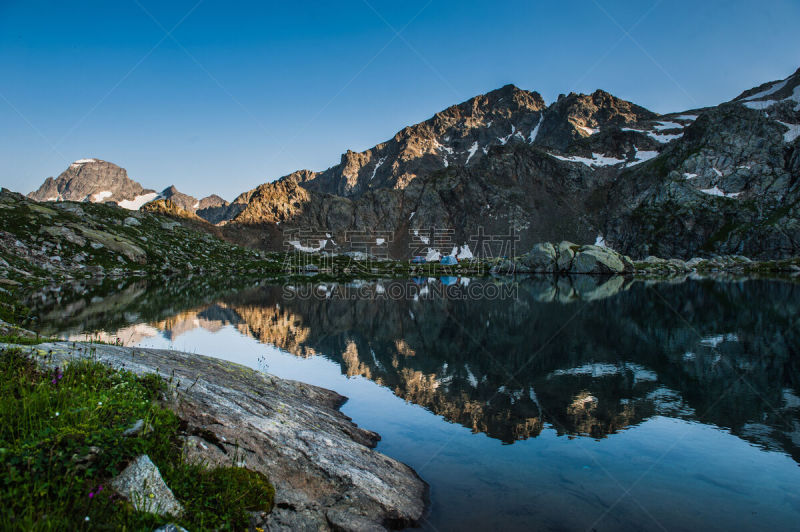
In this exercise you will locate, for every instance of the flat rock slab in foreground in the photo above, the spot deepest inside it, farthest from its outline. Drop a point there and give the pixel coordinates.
(325, 473)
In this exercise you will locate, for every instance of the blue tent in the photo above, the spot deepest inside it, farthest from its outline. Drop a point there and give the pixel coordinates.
(449, 260)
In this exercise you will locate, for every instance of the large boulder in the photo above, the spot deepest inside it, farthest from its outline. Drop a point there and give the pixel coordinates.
(599, 260)
(566, 253)
(542, 258)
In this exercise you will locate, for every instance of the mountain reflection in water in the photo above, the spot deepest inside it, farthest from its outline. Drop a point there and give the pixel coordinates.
(583, 356)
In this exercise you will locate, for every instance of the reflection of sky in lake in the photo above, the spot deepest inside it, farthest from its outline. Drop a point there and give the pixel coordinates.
(628, 369)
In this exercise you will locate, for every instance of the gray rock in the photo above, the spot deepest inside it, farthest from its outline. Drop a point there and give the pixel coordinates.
(542, 258)
(169, 226)
(142, 485)
(596, 260)
(285, 429)
(135, 429)
(694, 262)
(345, 520)
(132, 222)
(566, 252)
(170, 527)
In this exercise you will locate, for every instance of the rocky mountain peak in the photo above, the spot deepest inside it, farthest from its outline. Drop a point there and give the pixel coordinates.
(93, 180)
(577, 116)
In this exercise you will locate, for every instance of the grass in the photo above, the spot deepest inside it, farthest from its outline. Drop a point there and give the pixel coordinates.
(17, 339)
(61, 443)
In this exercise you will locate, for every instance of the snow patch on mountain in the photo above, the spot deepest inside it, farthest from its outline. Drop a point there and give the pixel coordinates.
(663, 139)
(760, 105)
(535, 130)
(100, 196)
(597, 160)
(378, 165)
(138, 201)
(504, 140)
(472, 150)
(307, 249)
(641, 156)
(775, 87)
(793, 133)
(81, 162)
(600, 241)
(667, 125)
(716, 191)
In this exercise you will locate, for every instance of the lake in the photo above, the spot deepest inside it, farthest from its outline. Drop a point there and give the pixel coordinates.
(540, 403)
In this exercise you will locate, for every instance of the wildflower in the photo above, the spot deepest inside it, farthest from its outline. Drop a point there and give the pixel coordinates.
(86, 518)
(100, 403)
(58, 414)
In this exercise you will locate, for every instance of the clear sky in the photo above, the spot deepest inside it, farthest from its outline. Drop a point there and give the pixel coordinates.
(218, 97)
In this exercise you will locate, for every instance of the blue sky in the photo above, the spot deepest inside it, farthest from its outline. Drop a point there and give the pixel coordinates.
(218, 97)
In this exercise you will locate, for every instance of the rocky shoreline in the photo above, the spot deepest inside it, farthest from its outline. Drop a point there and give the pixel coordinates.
(326, 473)
(570, 258)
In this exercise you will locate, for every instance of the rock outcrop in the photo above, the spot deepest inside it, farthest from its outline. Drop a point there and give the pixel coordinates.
(567, 257)
(325, 472)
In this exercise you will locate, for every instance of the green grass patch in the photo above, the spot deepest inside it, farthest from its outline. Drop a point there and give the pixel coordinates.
(61, 443)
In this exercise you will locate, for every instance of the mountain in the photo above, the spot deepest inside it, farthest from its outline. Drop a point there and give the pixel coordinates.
(729, 184)
(95, 181)
(192, 204)
(505, 167)
(586, 168)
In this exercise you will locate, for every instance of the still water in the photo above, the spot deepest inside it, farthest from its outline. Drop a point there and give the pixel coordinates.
(544, 404)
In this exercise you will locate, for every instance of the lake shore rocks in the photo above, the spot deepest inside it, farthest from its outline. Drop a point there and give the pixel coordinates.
(568, 258)
(325, 472)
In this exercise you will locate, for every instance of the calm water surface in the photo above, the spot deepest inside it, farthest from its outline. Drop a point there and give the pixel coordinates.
(541, 404)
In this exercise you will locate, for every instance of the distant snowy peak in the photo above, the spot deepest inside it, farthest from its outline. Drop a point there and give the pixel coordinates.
(98, 181)
(93, 180)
